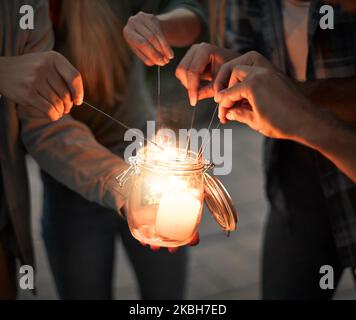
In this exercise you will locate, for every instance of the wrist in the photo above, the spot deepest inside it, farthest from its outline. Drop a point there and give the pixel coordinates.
(181, 27)
(315, 129)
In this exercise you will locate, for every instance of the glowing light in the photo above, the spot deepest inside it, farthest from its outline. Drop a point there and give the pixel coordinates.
(177, 215)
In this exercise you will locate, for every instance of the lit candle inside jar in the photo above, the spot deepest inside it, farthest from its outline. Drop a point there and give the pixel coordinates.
(177, 215)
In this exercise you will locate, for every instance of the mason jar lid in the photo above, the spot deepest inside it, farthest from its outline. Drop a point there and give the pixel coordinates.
(220, 204)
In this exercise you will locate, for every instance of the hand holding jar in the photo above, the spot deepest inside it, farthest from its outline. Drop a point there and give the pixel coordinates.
(168, 191)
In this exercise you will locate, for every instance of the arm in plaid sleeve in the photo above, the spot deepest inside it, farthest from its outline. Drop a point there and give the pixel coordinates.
(337, 95)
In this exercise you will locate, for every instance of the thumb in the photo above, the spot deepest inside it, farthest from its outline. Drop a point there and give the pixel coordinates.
(234, 93)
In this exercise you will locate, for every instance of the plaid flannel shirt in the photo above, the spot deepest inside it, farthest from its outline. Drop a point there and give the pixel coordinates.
(258, 25)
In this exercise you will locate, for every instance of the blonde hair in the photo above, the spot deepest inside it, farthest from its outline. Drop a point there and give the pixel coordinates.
(96, 47)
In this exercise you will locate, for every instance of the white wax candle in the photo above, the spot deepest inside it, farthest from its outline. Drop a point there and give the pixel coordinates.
(177, 215)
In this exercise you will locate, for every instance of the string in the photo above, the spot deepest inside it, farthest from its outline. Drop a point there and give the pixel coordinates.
(159, 88)
(121, 124)
(208, 141)
(210, 124)
(189, 133)
(159, 115)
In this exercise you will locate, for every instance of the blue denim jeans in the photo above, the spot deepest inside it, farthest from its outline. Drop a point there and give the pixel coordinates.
(80, 241)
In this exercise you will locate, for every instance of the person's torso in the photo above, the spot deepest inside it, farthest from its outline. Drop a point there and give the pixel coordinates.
(295, 23)
(135, 106)
(15, 192)
(2, 213)
(314, 54)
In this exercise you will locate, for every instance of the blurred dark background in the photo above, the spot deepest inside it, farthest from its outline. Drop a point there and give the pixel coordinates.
(220, 267)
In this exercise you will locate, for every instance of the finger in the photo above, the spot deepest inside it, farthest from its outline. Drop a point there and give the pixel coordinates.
(136, 40)
(154, 248)
(195, 240)
(142, 243)
(240, 114)
(222, 115)
(190, 70)
(72, 79)
(59, 87)
(45, 107)
(239, 74)
(151, 39)
(207, 75)
(173, 250)
(194, 72)
(143, 58)
(227, 98)
(181, 71)
(232, 94)
(224, 109)
(206, 92)
(228, 102)
(222, 79)
(156, 30)
(51, 96)
(228, 77)
(198, 66)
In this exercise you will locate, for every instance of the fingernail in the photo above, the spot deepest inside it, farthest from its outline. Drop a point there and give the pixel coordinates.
(230, 116)
(218, 97)
(195, 242)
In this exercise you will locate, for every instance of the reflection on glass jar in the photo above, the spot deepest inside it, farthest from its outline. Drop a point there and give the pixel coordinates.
(166, 200)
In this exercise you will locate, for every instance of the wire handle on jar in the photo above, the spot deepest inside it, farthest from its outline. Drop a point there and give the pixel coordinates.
(123, 177)
(207, 166)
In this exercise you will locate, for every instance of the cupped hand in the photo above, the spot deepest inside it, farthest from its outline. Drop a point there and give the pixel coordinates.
(144, 35)
(194, 242)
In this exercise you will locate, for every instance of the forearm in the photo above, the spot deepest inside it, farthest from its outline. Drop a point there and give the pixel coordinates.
(336, 95)
(6, 68)
(67, 150)
(332, 137)
(181, 27)
(2, 72)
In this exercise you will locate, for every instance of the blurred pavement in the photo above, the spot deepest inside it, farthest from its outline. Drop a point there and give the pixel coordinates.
(220, 267)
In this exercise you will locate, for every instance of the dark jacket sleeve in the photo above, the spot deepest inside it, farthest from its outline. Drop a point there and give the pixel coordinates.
(163, 6)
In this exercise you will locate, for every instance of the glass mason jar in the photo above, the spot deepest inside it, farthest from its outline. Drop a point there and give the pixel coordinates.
(167, 194)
